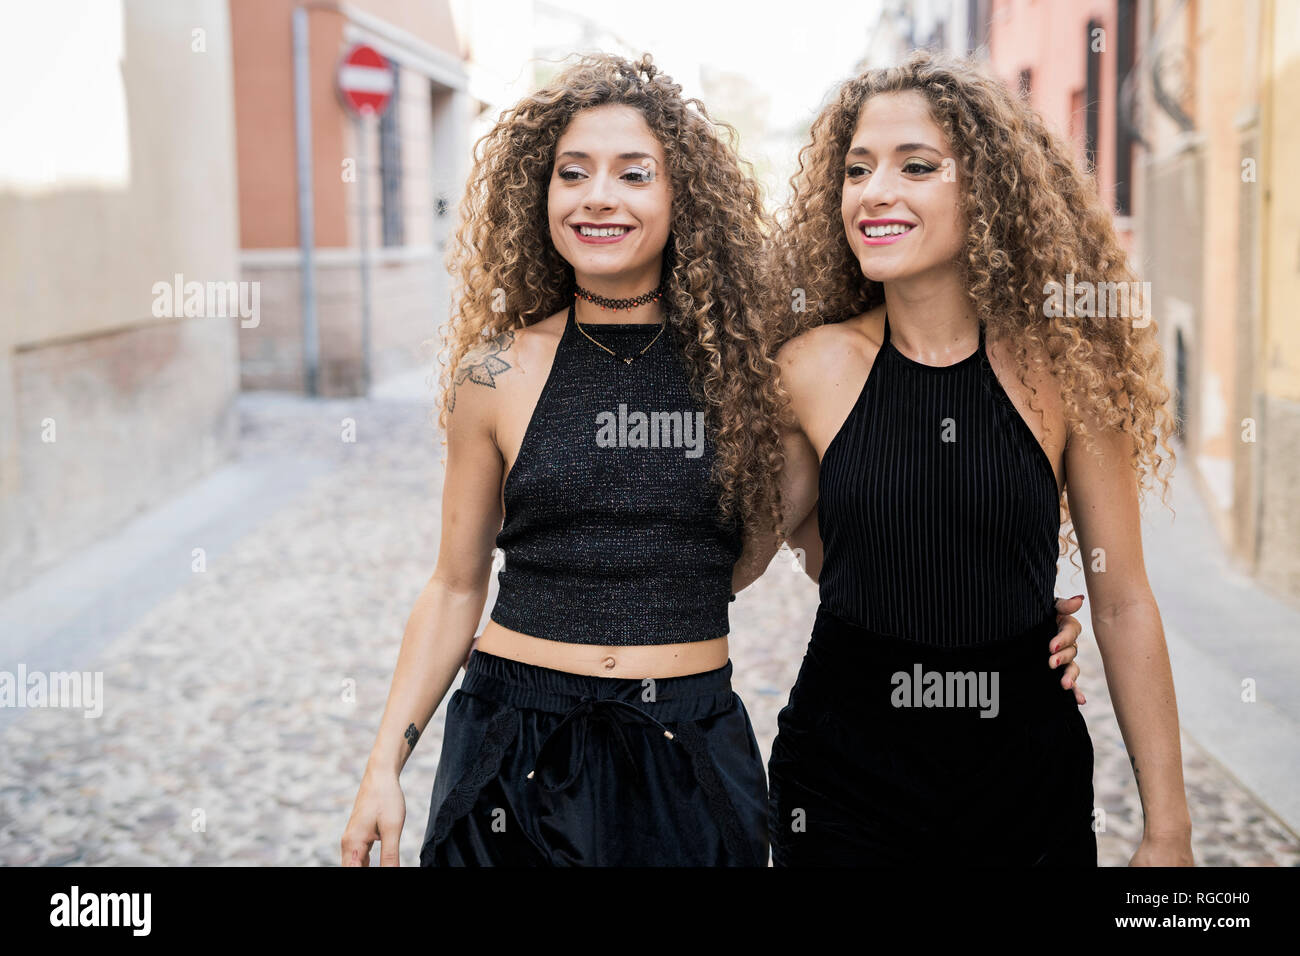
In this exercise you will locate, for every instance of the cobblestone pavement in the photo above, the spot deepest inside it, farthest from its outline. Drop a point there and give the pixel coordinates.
(240, 710)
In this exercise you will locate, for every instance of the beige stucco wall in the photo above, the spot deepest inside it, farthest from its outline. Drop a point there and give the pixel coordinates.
(140, 405)
(1279, 354)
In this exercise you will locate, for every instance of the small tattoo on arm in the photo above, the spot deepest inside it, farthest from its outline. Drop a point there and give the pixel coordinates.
(411, 735)
(1134, 761)
(482, 364)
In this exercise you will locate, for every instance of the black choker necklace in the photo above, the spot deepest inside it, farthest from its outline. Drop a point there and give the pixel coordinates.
(620, 305)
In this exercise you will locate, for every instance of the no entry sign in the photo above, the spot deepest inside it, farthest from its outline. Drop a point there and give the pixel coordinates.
(365, 80)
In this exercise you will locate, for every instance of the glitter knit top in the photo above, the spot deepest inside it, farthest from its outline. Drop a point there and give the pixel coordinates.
(612, 532)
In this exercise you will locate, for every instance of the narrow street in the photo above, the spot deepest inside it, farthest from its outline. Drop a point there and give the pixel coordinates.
(240, 700)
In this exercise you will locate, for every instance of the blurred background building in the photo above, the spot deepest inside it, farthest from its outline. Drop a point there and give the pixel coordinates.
(1181, 107)
(400, 183)
(117, 172)
(159, 147)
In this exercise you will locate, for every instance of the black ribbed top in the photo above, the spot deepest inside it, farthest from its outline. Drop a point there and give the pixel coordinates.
(612, 532)
(938, 508)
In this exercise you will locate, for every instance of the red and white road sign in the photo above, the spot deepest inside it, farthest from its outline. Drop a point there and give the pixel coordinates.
(365, 80)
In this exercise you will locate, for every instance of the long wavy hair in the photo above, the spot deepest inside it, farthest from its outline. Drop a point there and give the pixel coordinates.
(1033, 216)
(712, 261)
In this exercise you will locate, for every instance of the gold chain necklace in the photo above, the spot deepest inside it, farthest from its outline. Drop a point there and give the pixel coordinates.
(628, 359)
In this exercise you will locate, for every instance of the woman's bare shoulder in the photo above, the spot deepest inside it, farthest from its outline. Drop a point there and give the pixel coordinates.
(826, 350)
(501, 360)
(1037, 371)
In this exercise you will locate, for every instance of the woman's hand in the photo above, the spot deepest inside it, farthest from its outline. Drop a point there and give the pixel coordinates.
(1164, 851)
(377, 814)
(1063, 646)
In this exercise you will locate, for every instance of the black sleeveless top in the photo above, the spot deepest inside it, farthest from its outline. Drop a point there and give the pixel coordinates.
(938, 509)
(612, 532)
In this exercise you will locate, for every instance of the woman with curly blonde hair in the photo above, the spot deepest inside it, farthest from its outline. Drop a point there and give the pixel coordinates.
(606, 396)
(951, 411)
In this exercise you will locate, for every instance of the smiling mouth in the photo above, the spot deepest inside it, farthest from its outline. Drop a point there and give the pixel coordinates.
(602, 232)
(885, 232)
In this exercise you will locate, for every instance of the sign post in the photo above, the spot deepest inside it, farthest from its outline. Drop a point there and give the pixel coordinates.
(365, 83)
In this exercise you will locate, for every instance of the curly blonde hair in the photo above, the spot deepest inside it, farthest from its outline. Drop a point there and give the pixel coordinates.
(712, 262)
(1033, 216)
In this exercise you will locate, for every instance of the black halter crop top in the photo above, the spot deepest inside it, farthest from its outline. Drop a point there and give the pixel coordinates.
(612, 532)
(938, 508)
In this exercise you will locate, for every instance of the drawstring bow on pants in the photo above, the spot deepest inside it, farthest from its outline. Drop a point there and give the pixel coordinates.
(576, 721)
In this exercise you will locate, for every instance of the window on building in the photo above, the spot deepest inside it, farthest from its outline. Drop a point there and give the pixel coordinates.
(1126, 32)
(979, 15)
(1077, 117)
(390, 166)
(1180, 385)
(1091, 93)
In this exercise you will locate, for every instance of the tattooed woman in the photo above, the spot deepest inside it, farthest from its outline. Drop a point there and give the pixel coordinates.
(949, 417)
(611, 428)
(606, 399)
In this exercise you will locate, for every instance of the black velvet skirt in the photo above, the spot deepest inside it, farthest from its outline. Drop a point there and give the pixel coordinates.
(541, 767)
(892, 753)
